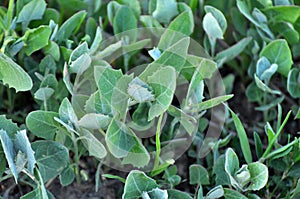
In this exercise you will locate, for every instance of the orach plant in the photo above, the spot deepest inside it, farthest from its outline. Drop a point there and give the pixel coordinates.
(129, 84)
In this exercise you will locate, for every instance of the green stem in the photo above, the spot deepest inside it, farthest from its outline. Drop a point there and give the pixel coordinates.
(157, 140)
(76, 159)
(10, 13)
(269, 148)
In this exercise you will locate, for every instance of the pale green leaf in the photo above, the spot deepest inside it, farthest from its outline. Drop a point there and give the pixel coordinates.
(278, 52)
(244, 142)
(32, 11)
(137, 183)
(293, 82)
(93, 145)
(70, 26)
(51, 158)
(22, 143)
(9, 152)
(198, 175)
(165, 10)
(43, 93)
(163, 83)
(36, 39)
(13, 74)
(259, 176)
(42, 124)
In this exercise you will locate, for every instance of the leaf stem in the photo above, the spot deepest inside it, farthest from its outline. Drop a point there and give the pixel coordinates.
(157, 141)
(76, 159)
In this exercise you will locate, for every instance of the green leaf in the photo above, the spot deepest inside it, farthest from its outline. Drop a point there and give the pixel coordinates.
(181, 27)
(37, 193)
(244, 142)
(36, 39)
(43, 93)
(78, 51)
(123, 143)
(120, 97)
(110, 176)
(278, 52)
(9, 152)
(163, 83)
(71, 26)
(218, 15)
(52, 49)
(176, 194)
(98, 104)
(283, 13)
(134, 5)
(66, 113)
(212, 27)
(51, 158)
(258, 145)
(125, 20)
(140, 91)
(231, 194)
(287, 31)
(243, 8)
(259, 176)
(94, 121)
(165, 10)
(213, 102)
(32, 11)
(222, 178)
(198, 175)
(264, 69)
(22, 143)
(296, 193)
(158, 194)
(93, 145)
(232, 165)
(67, 176)
(13, 74)
(137, 183)
(216, 192)
(293, 83)
(253, 93)
(261, 85)
(37, 120)
(188, 122)
(8, 126)
(107, 79)
(204, 69)
(233, 51)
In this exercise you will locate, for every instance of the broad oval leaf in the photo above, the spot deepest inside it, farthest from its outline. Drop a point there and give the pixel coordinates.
(278, 52)
(13, 74)
(259, 176)
(70, 26)
(218, 15)
(123, 143)
(163, 83)
(32, 11)
(212, 27)
(36, 39)
(42, 123)
(136, 183)
(198, 175)
(51, 158)
(165, 10)
(293, 82)
(125, 20)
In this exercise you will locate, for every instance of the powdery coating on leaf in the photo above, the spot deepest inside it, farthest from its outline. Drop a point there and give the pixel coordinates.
(140, 91)
(13, 74)
(137, 183)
